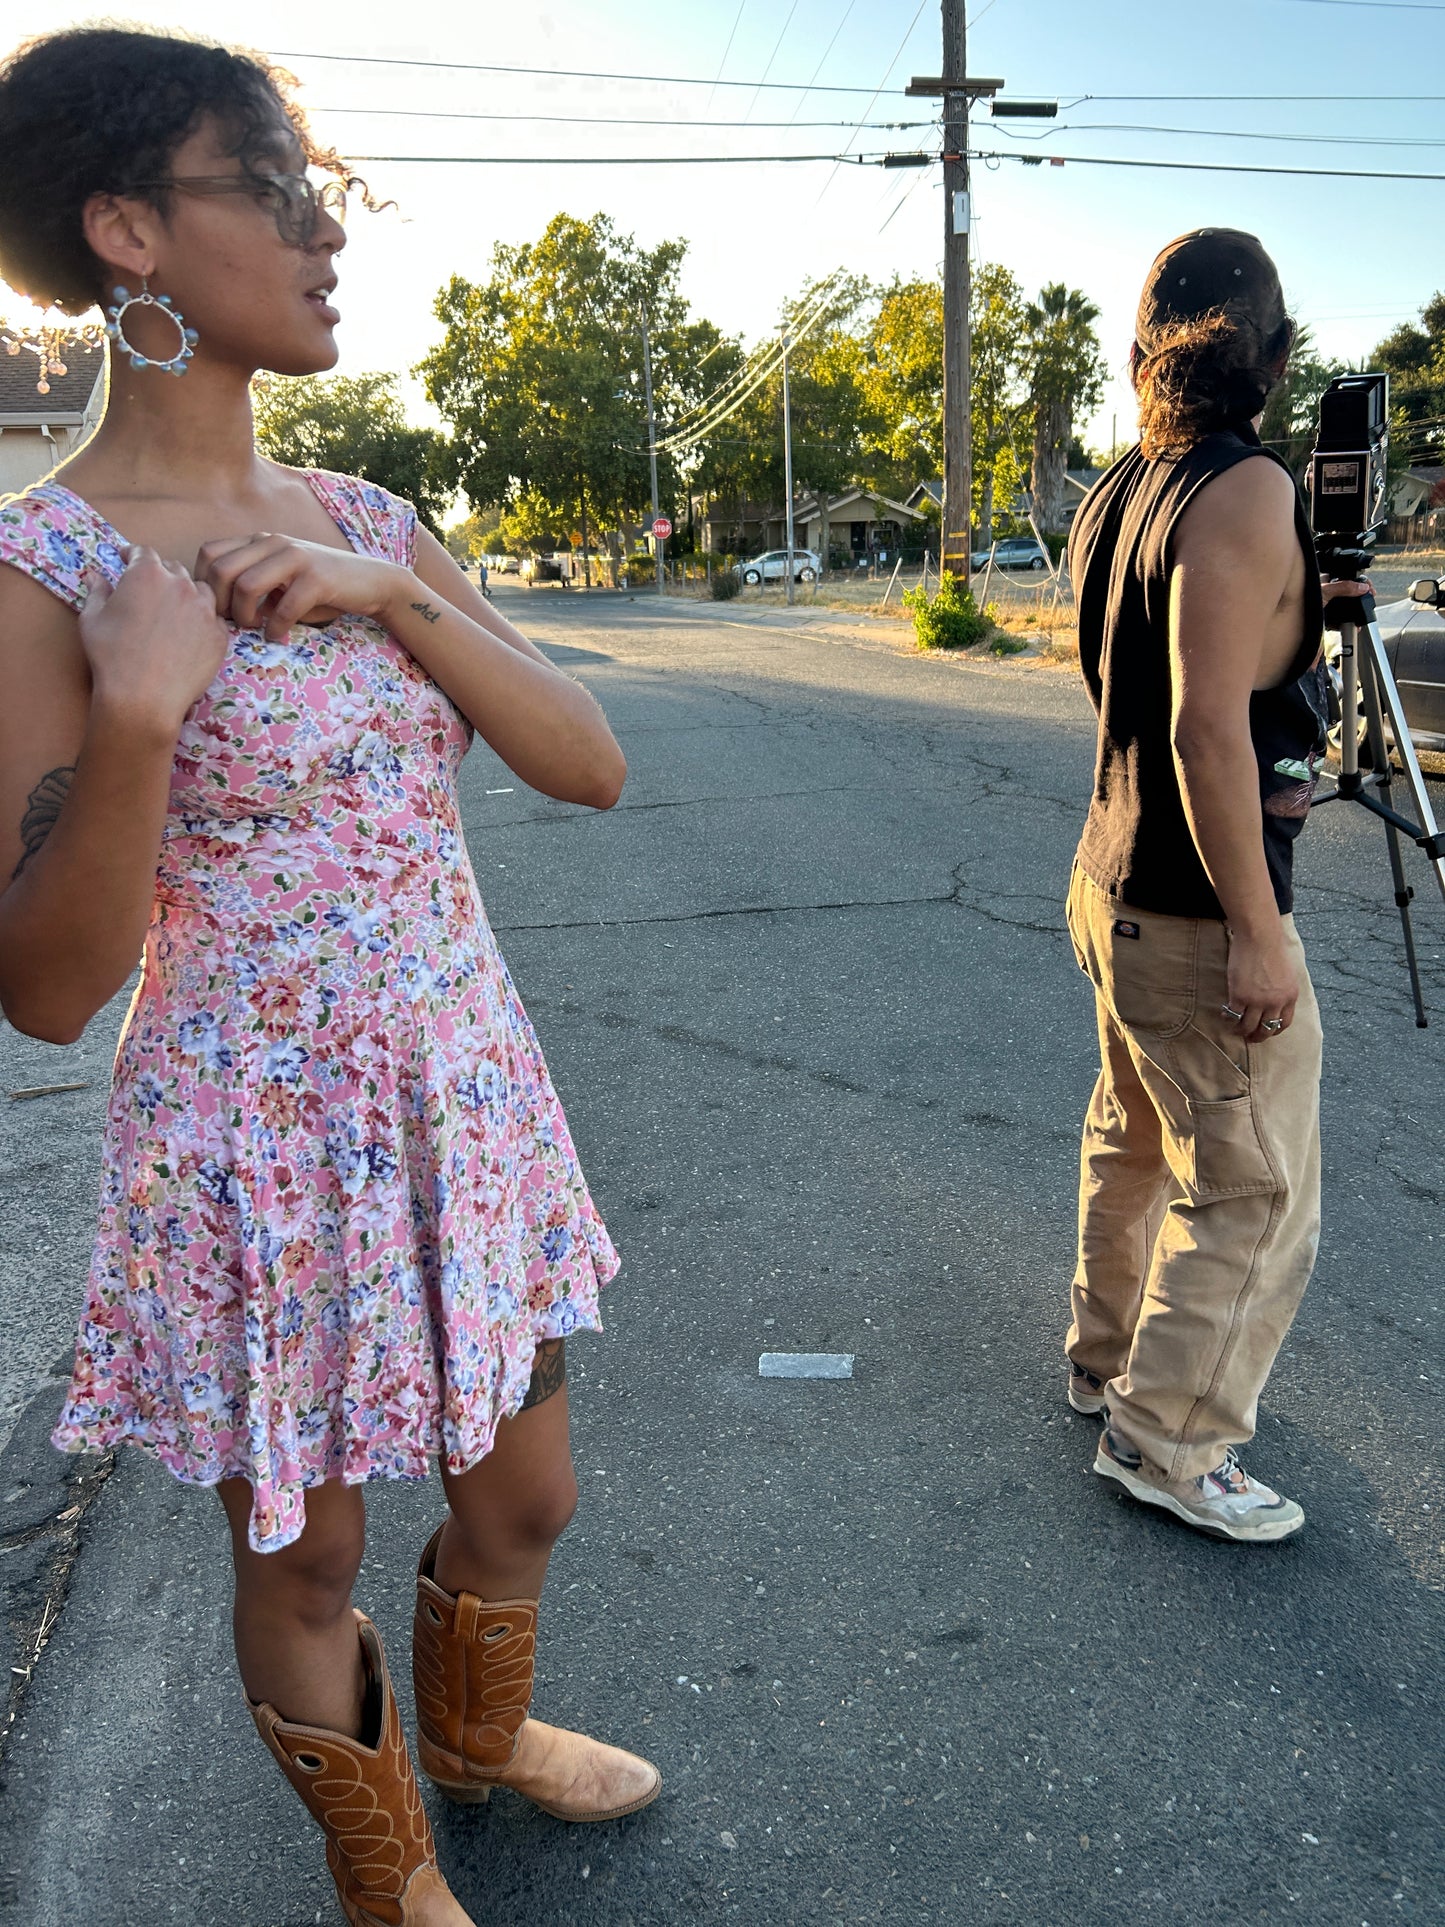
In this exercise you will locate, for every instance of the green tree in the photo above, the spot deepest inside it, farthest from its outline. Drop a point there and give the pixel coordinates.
(833, 420)
(353, 424)
(998, 395)
(1291, 412)
(1414, 359)
(477, 534)
(1065, 372)
(539, 374)
(903, 386)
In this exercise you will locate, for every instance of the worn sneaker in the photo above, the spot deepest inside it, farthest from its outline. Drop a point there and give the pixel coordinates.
(1086, 1393)
(1226, 1502)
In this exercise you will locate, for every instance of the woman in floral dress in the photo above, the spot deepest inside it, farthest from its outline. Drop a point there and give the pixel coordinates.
(343, 1229)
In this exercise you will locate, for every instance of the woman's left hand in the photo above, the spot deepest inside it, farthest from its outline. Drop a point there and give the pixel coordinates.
(272, 582)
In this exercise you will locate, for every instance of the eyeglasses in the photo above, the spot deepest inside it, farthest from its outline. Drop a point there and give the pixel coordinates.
(296, 202)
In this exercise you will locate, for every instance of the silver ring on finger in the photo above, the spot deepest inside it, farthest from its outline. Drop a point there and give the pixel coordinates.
(1272, 1025)
(1228, 1010)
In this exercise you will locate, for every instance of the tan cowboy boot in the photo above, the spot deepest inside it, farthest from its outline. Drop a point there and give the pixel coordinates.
(366, 1801)
(472, 1662)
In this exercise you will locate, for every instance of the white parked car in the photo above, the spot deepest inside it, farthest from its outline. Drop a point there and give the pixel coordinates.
(773, 567)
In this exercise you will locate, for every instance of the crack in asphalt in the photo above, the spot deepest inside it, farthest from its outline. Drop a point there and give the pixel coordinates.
(775, 1061)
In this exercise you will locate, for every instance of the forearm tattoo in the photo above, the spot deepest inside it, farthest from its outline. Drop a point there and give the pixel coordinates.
(42, 808)
(549, 1372)
(426, 612)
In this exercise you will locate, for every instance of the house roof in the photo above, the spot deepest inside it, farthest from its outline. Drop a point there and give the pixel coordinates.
(863, 495)
(1083, 479)
(69, 395)
(932, 489)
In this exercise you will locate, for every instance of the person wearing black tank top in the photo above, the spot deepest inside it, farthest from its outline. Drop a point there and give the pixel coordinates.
(1200, 626)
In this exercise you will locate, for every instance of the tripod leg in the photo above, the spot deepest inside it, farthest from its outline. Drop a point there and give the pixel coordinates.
(1387, 698)
(1380, 755)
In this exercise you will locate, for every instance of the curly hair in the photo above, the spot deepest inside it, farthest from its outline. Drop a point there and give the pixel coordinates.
(1204, 373)
(95, 110)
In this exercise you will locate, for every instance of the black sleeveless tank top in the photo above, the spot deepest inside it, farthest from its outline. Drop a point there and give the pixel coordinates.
(1136, 844)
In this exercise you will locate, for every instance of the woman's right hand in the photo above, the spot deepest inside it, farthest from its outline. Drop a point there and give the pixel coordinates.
(154, 643)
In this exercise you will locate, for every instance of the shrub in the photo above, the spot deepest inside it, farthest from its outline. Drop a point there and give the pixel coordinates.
(949, 620)
(724, 585)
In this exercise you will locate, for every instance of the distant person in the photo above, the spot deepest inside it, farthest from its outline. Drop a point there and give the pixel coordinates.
(482, 573)
(1200, 629)
(343, 1229)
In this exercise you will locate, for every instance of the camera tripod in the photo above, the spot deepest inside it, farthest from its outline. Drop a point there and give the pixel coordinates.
(1368, 688)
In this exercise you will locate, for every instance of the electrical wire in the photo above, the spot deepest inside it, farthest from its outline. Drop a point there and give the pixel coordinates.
(625, 160)
(737, 22)
(586, 73)
(1216, 133)
(1203, 167)
(777, 49)
(887, 75)
(689, 433)
(624, 120)
(726, 390)
(826, 51)
(798, 328)
(1333, 100)
(1375, 6)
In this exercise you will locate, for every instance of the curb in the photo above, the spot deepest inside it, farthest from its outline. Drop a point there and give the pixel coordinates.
(44, 1497)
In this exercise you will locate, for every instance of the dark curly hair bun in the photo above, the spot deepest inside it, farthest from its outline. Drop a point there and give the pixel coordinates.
(94, 110)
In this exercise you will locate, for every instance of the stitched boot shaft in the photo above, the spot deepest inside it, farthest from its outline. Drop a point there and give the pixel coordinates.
(473, 1662)
(366, 1801)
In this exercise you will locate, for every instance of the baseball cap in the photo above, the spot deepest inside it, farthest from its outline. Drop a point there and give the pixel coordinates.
(1209, 269)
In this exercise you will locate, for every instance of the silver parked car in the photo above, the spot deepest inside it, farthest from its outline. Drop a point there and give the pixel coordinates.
(1413, 632)
(773, 567)
(1011, 552)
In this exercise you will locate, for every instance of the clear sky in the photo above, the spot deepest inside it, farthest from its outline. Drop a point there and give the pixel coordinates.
(1357, 256)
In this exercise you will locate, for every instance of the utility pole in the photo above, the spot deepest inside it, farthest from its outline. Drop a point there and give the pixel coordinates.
(957, 342)
(957, 90)
(788, 466)
(651, 446)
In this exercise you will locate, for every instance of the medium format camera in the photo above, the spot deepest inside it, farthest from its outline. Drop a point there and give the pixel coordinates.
(1347, 469)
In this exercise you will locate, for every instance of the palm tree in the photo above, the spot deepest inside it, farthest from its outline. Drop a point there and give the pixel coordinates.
(1065, 370)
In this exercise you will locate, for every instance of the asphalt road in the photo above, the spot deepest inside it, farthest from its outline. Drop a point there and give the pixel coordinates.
(808, 999)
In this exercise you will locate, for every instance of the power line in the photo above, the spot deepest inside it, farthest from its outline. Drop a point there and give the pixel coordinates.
(1204, 167)
(777, 49)
(737, 22)
(585, 73)
(622, 120)
(887, 75)
(798, 328)
(847, 11)
(1217, 133)
(1334, 100)
(638, 160)
(1376, 6)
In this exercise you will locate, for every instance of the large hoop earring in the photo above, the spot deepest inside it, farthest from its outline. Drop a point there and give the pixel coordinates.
(115, 328)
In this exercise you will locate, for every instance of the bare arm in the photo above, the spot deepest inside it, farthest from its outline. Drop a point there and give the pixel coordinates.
(85, 766)
(542, 724)
(1235, 553)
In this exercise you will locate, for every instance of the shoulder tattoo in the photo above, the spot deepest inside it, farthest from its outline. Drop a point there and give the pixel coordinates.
(42, 808)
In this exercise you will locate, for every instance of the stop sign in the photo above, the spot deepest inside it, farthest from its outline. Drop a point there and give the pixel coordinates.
(662, 528)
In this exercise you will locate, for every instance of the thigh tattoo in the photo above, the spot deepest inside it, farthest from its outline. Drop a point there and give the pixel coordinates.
(549, 1372)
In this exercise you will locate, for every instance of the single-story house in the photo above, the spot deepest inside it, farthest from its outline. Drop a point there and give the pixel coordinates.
(1421, 488)
(861, 521)
(1077, 483)
(38, 431)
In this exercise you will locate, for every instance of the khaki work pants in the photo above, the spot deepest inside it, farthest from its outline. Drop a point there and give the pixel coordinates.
(1199, 1204)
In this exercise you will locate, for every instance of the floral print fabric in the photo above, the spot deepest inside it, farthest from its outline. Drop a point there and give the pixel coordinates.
(340, 1204)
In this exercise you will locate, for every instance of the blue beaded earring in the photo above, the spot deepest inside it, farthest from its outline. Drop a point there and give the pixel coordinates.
(115, 328)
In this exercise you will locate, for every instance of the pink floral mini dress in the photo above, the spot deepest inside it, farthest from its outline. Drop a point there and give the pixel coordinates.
(340, 1205)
